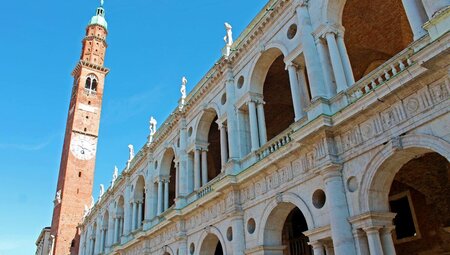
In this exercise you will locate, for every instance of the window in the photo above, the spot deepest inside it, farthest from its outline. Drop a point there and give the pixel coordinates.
(406, 227)
(91, 84)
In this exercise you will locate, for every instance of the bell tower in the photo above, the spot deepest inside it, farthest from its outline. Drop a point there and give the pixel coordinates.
(76, 173)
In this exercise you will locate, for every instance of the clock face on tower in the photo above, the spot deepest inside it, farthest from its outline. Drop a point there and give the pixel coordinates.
(83, 147)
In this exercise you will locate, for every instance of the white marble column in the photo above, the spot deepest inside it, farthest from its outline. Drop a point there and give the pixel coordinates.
(326, 67)
(223, 144)
(345, 60)
(416, 16)
(116, 230)
(139, 218)
(373, 238)
(318, 248)
(177, 179)
(253, 125)
(386, 240)
(133, 216)
(362, 247)
(312, 61)
(232, 125)
(121, 227)
(336, 62)
(197, 179)
(160, 197)
(166, 194)
(341, 231)
(295, 91)
(204, 167)
(261, 124)
(329, 248)
(102, 241)
(238, 241)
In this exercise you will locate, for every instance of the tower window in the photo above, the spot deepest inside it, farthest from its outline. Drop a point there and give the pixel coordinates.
(91, 84)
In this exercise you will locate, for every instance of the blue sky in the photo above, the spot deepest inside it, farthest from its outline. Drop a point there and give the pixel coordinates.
(152, 44)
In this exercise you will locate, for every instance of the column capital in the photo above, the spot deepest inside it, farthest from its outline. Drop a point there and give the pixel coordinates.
(291, 64)
(372, 229)
(301, 3)
(316, 244)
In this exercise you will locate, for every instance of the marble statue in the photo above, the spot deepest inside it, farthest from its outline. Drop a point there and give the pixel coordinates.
(86, 211)
(102, 2)
(152, 129)
(102, 191)
(115, 176)
(131, 152)
(92, 202)
(184, 81)
(228, 39)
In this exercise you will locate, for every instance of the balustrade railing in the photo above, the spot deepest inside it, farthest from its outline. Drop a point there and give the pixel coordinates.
(380, 75)
(275, 144)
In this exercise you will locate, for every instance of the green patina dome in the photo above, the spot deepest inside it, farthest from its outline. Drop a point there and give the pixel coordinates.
(99, 18)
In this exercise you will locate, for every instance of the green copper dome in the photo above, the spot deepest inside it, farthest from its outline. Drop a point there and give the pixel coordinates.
(99, 18)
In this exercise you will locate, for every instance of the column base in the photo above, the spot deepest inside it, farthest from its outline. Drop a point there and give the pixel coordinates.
(266, 250)
(231, 167)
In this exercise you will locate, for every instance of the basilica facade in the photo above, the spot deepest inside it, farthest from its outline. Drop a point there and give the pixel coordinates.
(323, 129)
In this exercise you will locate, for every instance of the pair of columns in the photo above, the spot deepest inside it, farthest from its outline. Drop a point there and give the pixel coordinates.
(331, 47)
(91, 246)
(200, 167)
(298, 84)
(163, 195)
(118, 229)
(322, 247)
(136, 216)
(258, 132)
(102, 240)
(375, 240)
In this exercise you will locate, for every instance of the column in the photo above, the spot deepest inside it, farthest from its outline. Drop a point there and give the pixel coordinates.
(416, 16)
(312, 61)
(166, 194)
(345, 60)
(121, 227)
(197, 169)
(223, 144)
(362, 247)
(329, 248)
(133, 216)
(139, 213)
(261, 124)
(386, 240)
(336, 62)
(326, 67)
(373, 237)
(341, 231)
(317, 248)
(116, 230)
(160, 198)
(295, 91)
(238, 235)
(253, 125)
(204, 167)
(232, 126)
(100, 245)
(151, 209)
(177, 179)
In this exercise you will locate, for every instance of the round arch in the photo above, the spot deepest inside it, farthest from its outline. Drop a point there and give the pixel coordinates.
(204, 124)
(139, 188)
(208, 241)
(277, 209)
(381, 170)
(262, 65)
(166, 162)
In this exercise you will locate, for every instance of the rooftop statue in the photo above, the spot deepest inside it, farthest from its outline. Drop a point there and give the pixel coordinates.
(115, 176)
(131, 152)
(102, 191)
(184, 81)
(228, 39)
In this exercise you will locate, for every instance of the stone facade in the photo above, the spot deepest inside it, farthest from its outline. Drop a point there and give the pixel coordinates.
(305, 138)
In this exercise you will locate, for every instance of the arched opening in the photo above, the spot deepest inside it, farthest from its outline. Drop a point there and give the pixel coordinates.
(375, 31)
(419, 195)
(118, 224)
(290, 233)
(88, 83)
(279, 111)
(105, 231)
(168, 170)
(94, 85)
(208, 148)
(211, 246)
(139, 197)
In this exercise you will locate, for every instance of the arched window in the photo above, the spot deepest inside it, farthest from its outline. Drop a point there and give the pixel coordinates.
(91, 84)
